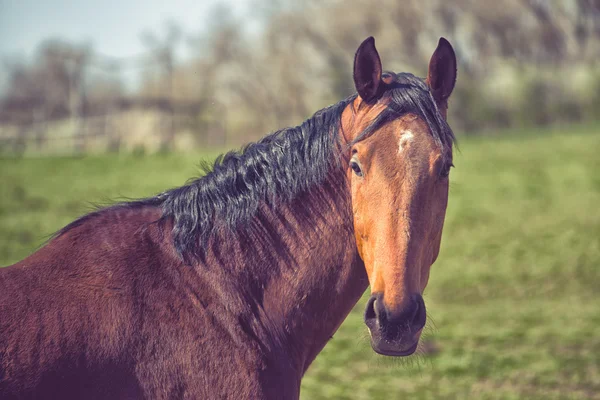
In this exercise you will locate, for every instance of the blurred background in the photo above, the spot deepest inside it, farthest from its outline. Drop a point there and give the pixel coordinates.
(101, 99)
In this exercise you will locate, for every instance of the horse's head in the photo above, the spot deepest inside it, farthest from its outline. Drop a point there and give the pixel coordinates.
(400, 154)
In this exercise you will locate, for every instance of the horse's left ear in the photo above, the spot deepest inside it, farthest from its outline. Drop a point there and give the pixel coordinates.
(442, 73)
(367, 70)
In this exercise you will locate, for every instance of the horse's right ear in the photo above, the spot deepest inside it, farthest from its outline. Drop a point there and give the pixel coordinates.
(367, 70)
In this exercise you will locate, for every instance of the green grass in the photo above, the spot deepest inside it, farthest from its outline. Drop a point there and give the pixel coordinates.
(514, 294)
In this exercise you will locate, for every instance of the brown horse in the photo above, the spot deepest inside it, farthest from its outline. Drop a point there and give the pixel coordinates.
(230, 286)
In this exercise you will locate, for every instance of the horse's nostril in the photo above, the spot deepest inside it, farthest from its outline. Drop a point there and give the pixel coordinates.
(370, 309)
(375, 309)
(419, 315)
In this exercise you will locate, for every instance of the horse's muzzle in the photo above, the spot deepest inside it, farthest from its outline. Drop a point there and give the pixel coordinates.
(395, 334)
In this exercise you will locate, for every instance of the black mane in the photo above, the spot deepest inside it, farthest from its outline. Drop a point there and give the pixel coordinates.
(275, 169)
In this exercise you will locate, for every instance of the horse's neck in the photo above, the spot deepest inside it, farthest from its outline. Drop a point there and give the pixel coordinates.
(319, 275)
(290, 277)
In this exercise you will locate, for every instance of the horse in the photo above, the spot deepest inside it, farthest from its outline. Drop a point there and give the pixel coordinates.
(229, 286)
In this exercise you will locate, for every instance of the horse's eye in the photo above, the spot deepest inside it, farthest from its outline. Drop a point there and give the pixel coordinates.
(356, 168)
(446, 170)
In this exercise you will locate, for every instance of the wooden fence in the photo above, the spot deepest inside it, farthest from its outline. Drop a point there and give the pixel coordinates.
(124, 124)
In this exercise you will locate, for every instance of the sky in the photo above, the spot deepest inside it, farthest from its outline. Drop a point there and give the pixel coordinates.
(112, 27)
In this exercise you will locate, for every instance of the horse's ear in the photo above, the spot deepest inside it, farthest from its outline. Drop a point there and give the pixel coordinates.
(442, 73)
(367, 70)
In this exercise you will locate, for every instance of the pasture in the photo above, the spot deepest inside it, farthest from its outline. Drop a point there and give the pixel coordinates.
(513, 300)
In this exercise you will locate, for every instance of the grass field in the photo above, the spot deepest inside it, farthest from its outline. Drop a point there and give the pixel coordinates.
(514, 299)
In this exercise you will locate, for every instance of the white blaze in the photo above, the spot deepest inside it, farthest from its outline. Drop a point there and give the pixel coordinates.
(406, 137)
